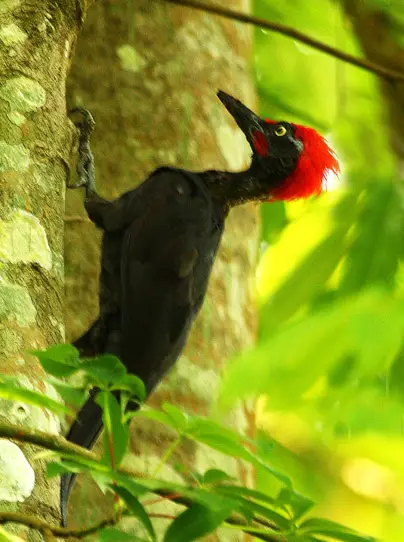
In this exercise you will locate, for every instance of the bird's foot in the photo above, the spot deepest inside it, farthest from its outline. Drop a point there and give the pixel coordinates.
(84, 121)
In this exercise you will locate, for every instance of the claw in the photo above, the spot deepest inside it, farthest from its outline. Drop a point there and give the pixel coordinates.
(73, 186)
(86, 123)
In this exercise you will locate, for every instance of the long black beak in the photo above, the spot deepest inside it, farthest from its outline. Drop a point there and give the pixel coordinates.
(245, 118)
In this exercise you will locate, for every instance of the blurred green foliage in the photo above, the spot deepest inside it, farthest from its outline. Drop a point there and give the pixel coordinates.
(212, 499)
(329, 363)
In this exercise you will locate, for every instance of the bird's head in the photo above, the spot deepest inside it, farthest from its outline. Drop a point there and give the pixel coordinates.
(294, 158)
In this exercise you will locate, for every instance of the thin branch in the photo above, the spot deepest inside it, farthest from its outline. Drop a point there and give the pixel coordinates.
(44, 440)
(40, 525)
(61, 532)
(279, 28)
(60, 444)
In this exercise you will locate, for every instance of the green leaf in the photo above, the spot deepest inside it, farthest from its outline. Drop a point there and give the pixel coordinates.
(310, 276)
(195, 522)
(304, 281)
(112, 534)
(246, 493)
(157, 415)
(56, 468)
(5, 536)
(134, 385)
(136, 487)
(374, 253)
(74, 395)
(369, 327)
(177, 416)
(61, 360)
(136, 508)
(106, 369)
(273, 220)
(140, 486)
(11, 392)
(330, 528)
(299, 504)
(216, 436)
(216, 476)
(116, 434)
(229, 443)
(253, 502)
(75, 463)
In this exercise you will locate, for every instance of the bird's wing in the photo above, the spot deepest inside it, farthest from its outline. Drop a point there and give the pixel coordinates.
(158, 249)
(167, 254)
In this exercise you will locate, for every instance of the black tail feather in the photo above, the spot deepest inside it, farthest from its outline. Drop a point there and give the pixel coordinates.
(84, 432)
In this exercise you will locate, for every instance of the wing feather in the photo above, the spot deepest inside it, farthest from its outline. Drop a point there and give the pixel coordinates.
(165, 265)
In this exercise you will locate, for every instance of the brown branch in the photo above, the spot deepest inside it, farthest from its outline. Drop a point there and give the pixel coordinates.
(60, 444)
(44, 440)
(43, 527)
(279, 28)
(61, 532)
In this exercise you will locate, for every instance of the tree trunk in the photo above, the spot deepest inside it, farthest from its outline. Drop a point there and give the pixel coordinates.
(36, 42)
(149, 72)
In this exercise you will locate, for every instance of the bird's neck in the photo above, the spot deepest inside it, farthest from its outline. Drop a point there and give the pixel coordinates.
(236, 188)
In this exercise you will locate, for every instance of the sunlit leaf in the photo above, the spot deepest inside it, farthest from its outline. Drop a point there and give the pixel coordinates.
(229, 443)
(195, 522)
(369, 327)
(116, 433)
(13, 393)
(334, 530)
(71, 394)
(291, 500)
(310, 275)
(56, 468)
(133, 385)
(105, 369)
(178, 417)
(136, 508)
(5, 536)
(60, 360)
(216, 476)
(254, 503)
(374, 253)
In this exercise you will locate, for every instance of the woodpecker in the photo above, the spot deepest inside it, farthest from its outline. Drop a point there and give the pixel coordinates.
(160, 241)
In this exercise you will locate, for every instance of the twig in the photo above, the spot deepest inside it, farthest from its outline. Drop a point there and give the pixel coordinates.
(40, 525)
(44, 440)
(161, 498)
(279, 28)
(61, 532)
(59, 444)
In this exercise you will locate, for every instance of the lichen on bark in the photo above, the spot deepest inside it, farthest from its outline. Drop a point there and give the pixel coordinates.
(36, 39)
(164, 110)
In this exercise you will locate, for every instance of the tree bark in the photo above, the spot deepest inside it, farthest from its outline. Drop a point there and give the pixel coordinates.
(36, 43)
(149, 72)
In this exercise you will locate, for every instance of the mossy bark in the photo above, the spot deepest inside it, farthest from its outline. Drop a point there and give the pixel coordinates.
(36, 43)
(149, 72)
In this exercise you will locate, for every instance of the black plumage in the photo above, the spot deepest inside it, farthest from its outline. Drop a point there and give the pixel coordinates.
(159, 244)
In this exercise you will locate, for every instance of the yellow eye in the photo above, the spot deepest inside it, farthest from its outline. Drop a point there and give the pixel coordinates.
(280, 131)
